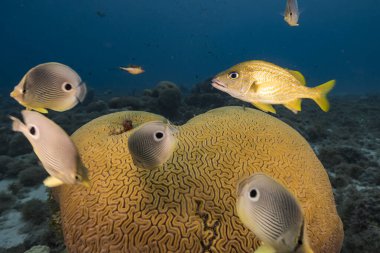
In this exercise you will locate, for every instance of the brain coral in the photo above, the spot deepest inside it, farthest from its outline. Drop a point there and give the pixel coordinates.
(188, 205)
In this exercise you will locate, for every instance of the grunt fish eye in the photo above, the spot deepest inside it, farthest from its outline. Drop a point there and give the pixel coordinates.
(233, 75)
(23, 91)
(158, 135)
(290, 14)
(67, 87)
(78, 178)
(254, 195)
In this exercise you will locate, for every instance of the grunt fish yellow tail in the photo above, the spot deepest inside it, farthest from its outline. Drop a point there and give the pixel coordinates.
(321, 92)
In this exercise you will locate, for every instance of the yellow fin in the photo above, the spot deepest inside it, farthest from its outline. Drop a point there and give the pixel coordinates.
(298, 76)
(294, 106)
(265, 249)
(52, 182)
(86, 183)
(307, 249)
(264, 107)
(41, 110)
(322, 90)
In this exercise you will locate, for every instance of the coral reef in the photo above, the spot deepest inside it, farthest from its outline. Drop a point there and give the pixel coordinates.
(6, 201)
(35, 211)
(38, 249)
(123, 102)
(32, 176)
(346, 140)
(189, 203)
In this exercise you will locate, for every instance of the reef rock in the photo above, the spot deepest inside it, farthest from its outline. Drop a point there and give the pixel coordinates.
(38, 249)
(189, 204)
(169, 98)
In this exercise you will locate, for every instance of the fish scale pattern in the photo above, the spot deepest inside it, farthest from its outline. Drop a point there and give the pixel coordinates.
(188, 204)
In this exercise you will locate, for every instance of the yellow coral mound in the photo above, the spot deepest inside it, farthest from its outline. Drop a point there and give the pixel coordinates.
(188, 205)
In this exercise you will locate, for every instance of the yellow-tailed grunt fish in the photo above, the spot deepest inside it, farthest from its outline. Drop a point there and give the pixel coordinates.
(54, 148)
(133, 69)
(263, 84)
(291, 14)
(273, 214)
(152, 144)
(50, 86)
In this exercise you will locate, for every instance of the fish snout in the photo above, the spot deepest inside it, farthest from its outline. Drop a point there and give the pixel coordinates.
(13, 94)
(16, 94)
(218, 84)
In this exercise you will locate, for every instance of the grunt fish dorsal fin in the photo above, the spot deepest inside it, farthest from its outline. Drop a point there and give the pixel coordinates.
(264, 107)
(294, 106)
(298, 76)
(52, 182)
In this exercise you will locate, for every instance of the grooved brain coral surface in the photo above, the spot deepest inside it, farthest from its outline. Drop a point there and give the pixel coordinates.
(188, 205)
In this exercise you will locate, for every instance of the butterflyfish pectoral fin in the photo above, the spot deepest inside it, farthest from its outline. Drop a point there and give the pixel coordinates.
(264, 107)
(294, 106)
(41, 110)
(52, 182)
(298, 76)
(265, 249)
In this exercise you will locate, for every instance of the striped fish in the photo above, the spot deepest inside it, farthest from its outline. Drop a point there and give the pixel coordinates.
(50, 86)
(273, 214)
(152, 144)
(263, 84)
(53, 147)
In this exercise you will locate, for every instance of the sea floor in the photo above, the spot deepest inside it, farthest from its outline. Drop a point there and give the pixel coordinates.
(346, 140)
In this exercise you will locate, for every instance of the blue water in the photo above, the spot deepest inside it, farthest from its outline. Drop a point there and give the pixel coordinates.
(189, 41)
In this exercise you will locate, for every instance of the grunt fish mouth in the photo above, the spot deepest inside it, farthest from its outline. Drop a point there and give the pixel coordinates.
(218, 85)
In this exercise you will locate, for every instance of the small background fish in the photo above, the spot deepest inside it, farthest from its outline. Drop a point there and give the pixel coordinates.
(291, 14)
(133, 69)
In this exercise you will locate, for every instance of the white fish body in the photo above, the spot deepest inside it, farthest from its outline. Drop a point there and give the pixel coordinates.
(272, 213)
(291, 14)
(152, 144)
(50, 85)
(54, 148)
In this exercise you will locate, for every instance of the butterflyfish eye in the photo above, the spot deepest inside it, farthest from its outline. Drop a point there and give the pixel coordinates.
(254, 195)
(159, 135)
(23, 91)
(233, 75)
(67, 87)
(32, 130)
